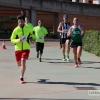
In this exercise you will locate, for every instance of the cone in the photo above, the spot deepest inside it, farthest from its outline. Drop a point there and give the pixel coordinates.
(3, 45)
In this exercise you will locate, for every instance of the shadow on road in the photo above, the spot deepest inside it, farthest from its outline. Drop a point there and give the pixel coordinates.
(92, 67)
(44, 81)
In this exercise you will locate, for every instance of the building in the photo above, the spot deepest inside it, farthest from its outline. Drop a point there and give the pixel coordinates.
(51, 12)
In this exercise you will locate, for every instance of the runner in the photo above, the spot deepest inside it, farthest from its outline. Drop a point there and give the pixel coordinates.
(64, 39)
(28, 23)
(21, 38)
(40, 32)
(76, 32)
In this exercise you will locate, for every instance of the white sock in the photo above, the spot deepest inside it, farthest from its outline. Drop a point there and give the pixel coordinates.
(21, 77)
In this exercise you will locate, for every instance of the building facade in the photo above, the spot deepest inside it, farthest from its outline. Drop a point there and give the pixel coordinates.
(51, 12)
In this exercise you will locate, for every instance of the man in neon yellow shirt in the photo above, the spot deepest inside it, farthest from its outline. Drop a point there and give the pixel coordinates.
(21, 38)
(28, 23)
(40, 33)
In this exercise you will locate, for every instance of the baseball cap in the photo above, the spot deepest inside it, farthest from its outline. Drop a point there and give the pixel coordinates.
(65, 16)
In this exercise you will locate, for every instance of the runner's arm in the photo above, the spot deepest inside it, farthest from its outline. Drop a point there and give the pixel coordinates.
(82, 31)
(69, 32)
(45, 32)
(59, 28)
(33, 34)
(13, 38)
(32, 38)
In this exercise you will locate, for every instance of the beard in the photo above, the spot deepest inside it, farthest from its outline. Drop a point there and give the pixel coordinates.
(21, 25)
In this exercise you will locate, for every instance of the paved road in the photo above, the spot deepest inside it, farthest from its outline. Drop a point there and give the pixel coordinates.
(50, 79)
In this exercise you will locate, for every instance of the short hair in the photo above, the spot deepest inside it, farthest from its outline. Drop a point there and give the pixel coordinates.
(75, 18)
(21, 17)
(40, 20)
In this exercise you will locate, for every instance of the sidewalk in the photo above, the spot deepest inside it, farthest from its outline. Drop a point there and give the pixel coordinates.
(52, 79)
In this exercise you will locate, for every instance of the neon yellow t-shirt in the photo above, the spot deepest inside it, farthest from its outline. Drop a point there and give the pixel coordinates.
(40, 32)
(30, 25)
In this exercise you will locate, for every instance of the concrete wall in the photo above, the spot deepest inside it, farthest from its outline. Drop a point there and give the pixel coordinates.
(10, 3)
(54, 6)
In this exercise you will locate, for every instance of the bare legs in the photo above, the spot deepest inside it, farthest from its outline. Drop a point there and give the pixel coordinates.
(22, 65)
(77, 51)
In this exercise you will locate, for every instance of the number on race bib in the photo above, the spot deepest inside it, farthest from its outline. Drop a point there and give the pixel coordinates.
(40, 38)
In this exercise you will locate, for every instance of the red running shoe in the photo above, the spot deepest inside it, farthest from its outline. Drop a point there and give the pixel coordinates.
(76, 65)
(22, 80)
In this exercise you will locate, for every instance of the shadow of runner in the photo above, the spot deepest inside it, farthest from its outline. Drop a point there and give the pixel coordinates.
(44, 81)
(89, 62)
(92, 67)
(56, 61)
(50, 59)
(71, 61)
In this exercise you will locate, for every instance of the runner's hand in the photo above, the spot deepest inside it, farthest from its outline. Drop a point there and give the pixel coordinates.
(62, 31)
(20, 40)
(32, 42)
(23, 38)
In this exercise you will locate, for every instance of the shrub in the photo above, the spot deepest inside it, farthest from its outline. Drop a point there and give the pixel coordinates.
(91, 42)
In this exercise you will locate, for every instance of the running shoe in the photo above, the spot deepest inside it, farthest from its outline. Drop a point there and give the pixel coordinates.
(22, 80)
(68, 59)
(40, 60)
(76, 65)
(79, 61)
(64, 58)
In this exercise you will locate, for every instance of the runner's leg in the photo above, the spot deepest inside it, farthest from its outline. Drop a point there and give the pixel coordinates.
(79, 53)
(18, 57)
(24, 57)
(60, 43)
(41, 50)
(75, 56)
(37, 49)
(63, 51)
(68, 48)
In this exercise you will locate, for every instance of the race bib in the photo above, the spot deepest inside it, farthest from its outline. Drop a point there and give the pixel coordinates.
(40, 37)
(23, 38)
(65, 30)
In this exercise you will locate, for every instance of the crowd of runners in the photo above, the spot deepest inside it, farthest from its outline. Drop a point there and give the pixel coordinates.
(25, 33)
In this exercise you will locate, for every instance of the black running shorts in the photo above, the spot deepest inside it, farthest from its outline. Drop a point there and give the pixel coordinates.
(68, 38)
(39, 47)
(63, 40)
(74, 44)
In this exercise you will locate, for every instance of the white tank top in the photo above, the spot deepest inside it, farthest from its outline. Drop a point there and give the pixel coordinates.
(79, 27)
